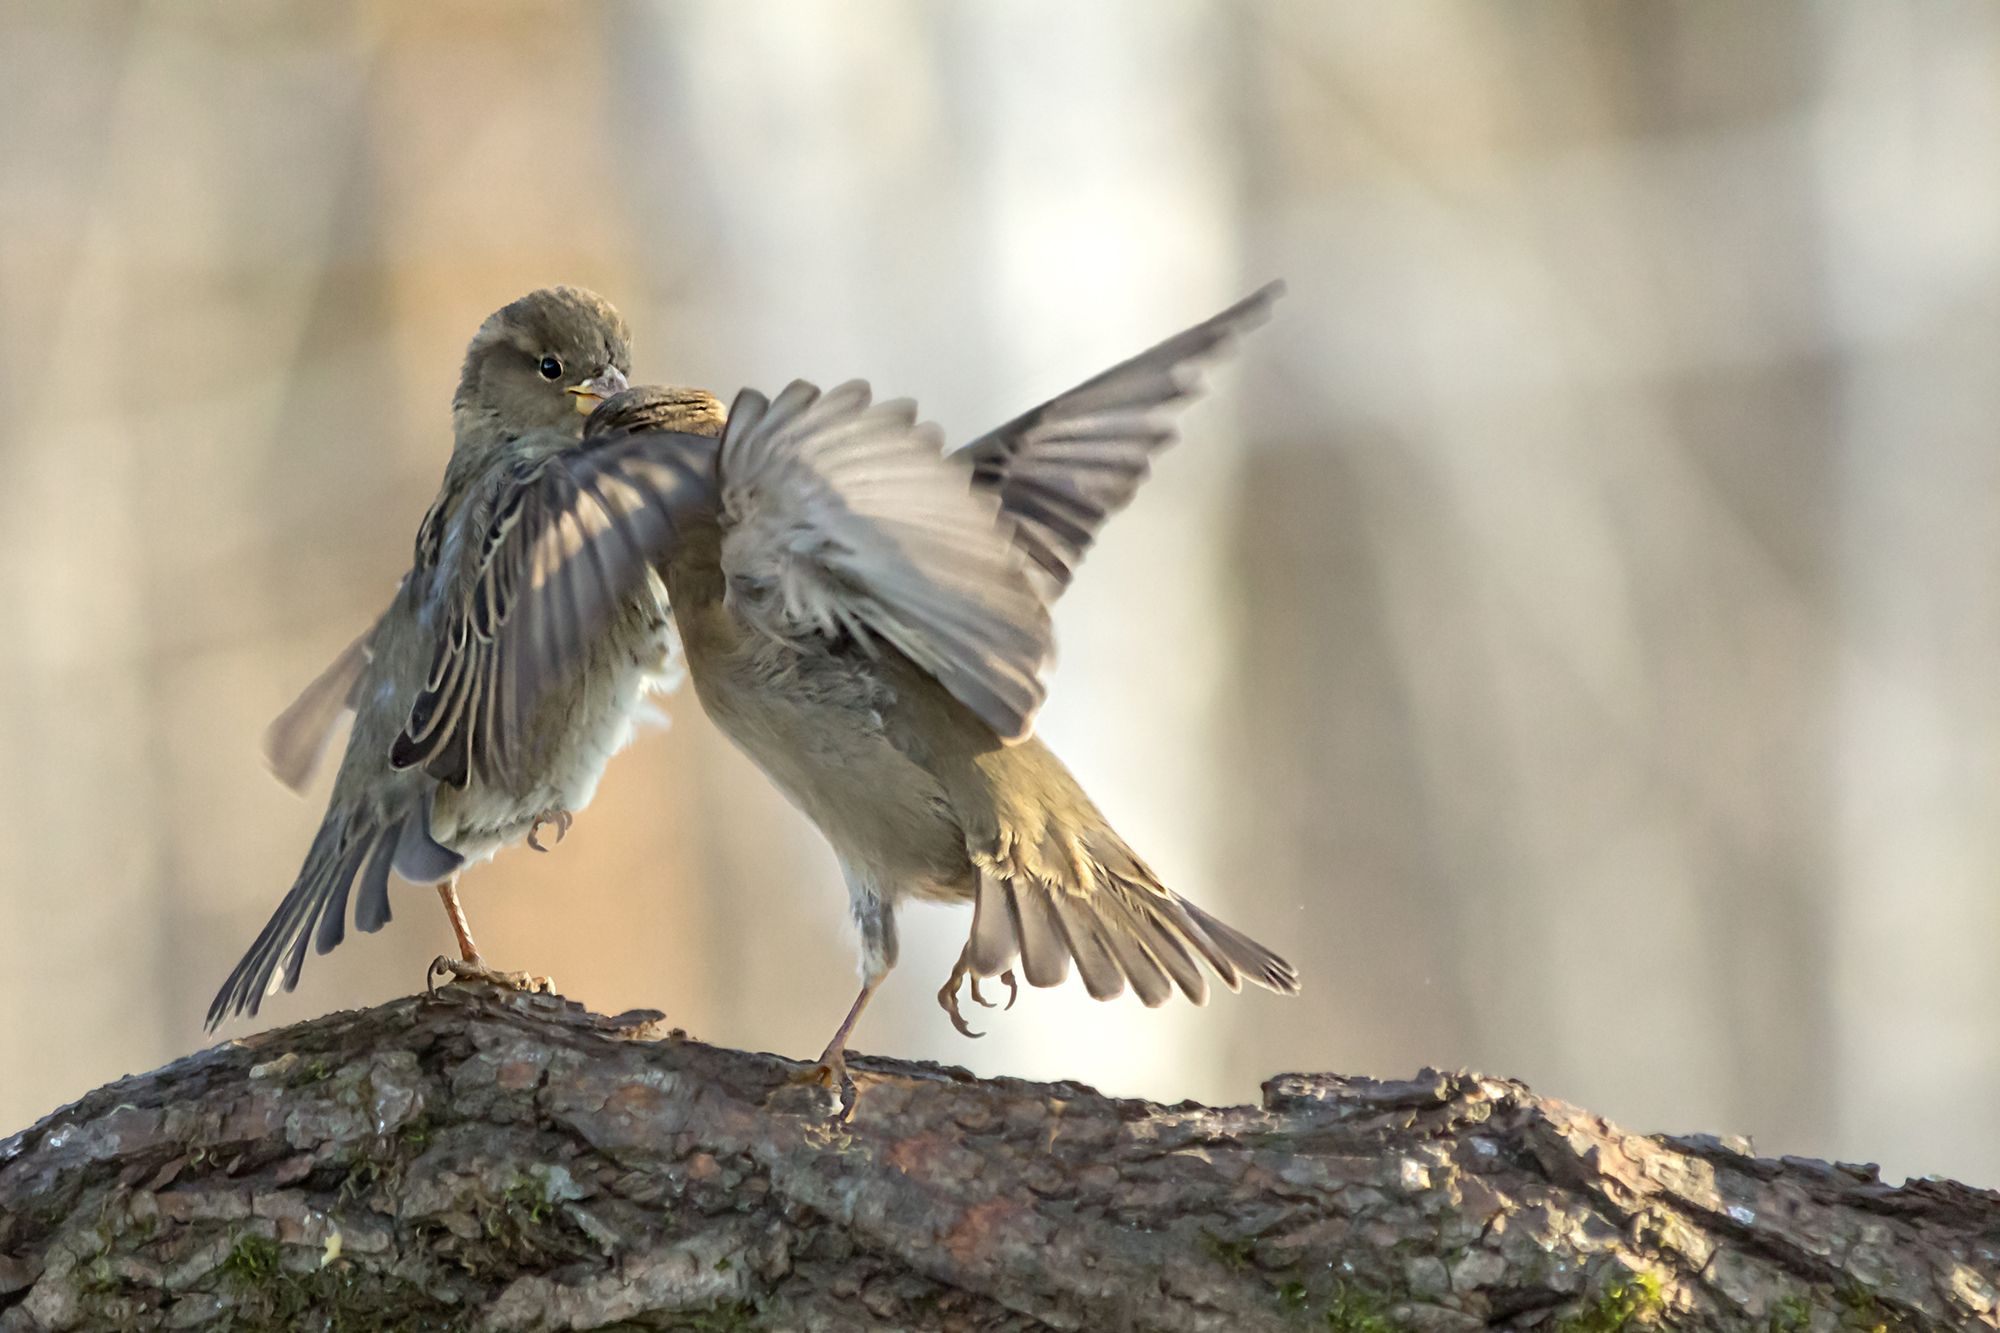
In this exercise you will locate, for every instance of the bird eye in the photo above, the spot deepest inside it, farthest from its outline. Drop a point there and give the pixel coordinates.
(551, 368)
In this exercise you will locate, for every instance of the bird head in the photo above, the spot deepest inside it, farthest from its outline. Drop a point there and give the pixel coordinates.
(658, 407)
(543, 362)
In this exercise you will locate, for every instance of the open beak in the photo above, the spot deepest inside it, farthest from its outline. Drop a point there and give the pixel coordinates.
(597, 388)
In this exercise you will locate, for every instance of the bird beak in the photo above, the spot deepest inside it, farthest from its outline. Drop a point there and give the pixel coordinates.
(597, 388)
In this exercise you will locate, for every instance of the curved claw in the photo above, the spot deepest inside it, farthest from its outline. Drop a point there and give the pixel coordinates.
(562, 819)
(948, 994)
(948, 1000)
(832, 1074)
(459, 969)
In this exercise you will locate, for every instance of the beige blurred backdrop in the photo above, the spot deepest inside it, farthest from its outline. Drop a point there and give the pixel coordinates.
(1571, 631)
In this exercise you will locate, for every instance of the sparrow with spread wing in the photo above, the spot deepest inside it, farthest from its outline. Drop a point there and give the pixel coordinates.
(867, 618)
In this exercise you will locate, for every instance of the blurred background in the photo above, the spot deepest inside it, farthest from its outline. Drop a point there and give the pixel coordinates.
(1571, 630)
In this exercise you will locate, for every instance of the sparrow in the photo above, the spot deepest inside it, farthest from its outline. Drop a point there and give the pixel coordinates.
(456, 793)
(881, 661)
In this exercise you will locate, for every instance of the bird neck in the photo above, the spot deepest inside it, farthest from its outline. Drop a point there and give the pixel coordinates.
(477, 431)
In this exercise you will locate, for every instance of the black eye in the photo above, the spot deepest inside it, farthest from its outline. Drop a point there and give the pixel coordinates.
(551, 368)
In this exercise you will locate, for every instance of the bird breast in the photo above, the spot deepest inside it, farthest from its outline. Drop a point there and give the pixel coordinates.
(816, 722)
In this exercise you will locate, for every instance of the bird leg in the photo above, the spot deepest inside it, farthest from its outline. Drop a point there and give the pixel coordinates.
(469, 966)
(875, 918)
(562, 819)
(832, 1067)
(448, 895)
(948, 994)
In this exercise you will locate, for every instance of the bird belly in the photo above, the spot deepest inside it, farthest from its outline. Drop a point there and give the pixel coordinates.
(813, 723)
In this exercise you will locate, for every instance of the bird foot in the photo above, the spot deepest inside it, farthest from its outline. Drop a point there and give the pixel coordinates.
(459, 969)
(948, 995)
(831, 1073)
(562, 819)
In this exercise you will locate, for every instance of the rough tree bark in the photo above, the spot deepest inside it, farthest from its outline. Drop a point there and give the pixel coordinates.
(510, 1162)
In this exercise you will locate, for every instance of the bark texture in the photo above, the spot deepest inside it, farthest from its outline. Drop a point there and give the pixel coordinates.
(507, 1162)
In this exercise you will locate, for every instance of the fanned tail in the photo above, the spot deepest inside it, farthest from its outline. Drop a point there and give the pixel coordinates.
(1121, 926)
(348, 850)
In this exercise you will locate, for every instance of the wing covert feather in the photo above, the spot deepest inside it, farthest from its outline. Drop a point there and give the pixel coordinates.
(841, 517)
(571, 538)
(1061, 469)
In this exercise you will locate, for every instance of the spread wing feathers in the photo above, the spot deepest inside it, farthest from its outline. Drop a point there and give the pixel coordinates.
(1105, 911)
(349, 850)
(1062, 468)
(295, 742)
(560, 545)
(843, 519)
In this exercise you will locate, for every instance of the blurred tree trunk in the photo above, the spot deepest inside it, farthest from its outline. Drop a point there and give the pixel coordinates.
(1537, 545)
(513, 1162)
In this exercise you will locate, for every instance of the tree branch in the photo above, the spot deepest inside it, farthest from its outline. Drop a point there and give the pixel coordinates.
(508, 1162)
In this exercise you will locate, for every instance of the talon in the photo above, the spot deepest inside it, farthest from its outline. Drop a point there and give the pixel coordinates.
(832, 1074)
(562, 819)
(948, 995)
(475, 969)
(948, 999)
(821, 1073)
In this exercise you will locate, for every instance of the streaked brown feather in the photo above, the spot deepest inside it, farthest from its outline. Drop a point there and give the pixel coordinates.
(573, 536)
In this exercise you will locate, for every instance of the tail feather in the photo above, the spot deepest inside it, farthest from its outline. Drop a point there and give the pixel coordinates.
(1124, 926)
(420, 858)
(314, 911)
(1084, 936)
(992, 949)
(1149, 980)
(371, 902)
(1125, 907)
(332, 916)
(1256, 962)
(1179, 914)
(1038, 932)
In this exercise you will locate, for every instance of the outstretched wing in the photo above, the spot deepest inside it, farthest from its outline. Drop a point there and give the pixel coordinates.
(1062, 468)
(843, 518)
(295, 742)
(537, 568)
